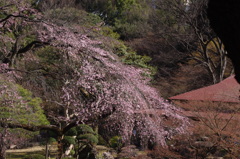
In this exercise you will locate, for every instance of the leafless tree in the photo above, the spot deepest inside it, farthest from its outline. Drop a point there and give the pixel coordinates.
(188, 24)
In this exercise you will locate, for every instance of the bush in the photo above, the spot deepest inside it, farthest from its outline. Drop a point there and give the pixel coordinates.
(69, 140)
(131, 30)
(72, 16)
(115, 142)
(83, 129)
(88, 138)
(71, 132)
(130, 57)
(24, 108)
(108, 31)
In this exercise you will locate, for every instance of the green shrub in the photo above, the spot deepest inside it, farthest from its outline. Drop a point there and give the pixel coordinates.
(52, 140)
(36, 115)
(72, 16)
(71, 132)
(108, 31)
(24, 108)
(72, 152)
(88, 138)
(130, 30)
(69, 140)
(115, 142)
(130, 57)
(83, 129)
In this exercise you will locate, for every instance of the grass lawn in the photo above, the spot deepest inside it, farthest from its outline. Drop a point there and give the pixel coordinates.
(21, 153)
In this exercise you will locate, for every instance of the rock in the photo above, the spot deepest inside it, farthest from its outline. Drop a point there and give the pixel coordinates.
(200, 144)
(13, 146)
(107, 155)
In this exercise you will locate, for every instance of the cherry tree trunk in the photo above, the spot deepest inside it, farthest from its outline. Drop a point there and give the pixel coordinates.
(60, 147)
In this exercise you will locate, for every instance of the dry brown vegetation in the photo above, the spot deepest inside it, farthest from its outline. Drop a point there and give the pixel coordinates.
(214, 131)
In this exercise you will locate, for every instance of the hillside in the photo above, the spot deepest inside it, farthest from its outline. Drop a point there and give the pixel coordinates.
(81, 75)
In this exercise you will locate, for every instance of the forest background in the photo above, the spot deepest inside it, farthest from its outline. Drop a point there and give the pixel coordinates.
(175, 34)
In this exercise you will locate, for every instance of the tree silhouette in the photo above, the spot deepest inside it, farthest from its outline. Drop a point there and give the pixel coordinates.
(224, 18)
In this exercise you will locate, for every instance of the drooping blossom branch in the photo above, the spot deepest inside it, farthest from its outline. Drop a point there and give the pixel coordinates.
(101, 83)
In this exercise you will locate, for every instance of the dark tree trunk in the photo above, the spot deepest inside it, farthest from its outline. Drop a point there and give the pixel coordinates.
(3, 146)
(3, 152)
(60, 146)
(47, 150)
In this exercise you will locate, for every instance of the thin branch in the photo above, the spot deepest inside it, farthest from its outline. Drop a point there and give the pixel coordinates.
(31, 45)
(28, 127)
(11, 15)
